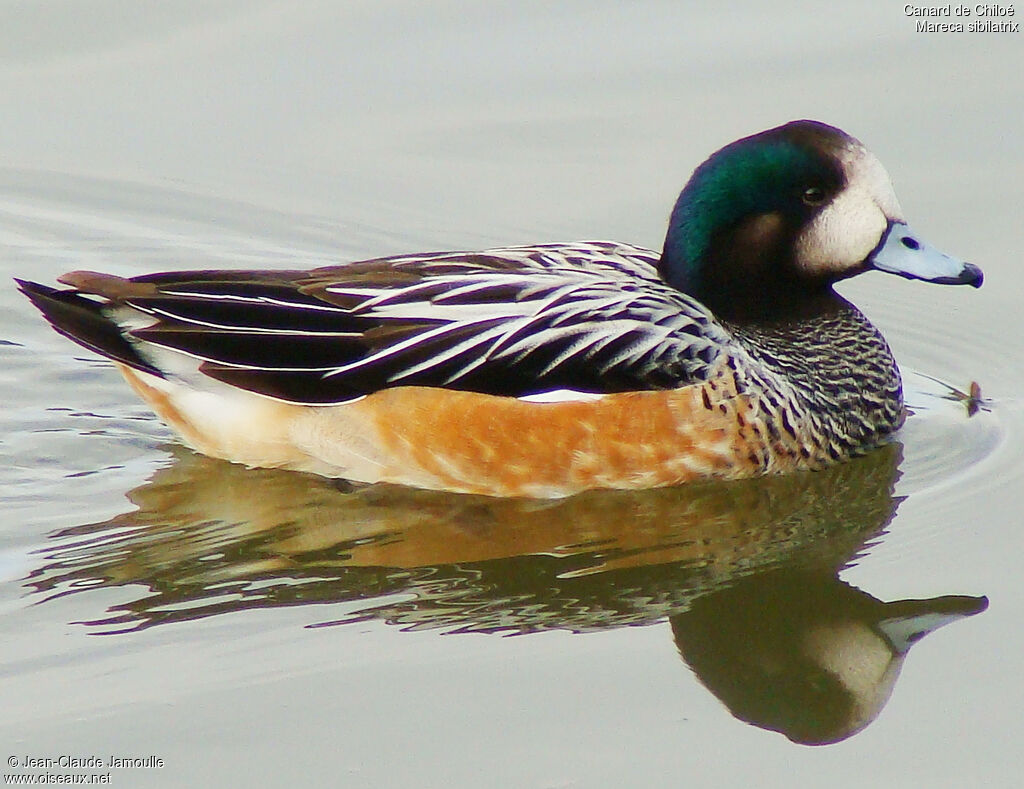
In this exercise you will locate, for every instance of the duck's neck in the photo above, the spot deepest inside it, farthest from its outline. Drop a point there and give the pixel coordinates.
(844, 380)
(748, 275)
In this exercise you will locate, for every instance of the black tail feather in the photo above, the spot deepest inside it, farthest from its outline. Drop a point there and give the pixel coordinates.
(83, 320)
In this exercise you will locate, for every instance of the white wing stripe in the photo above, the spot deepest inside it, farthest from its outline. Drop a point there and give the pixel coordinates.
(250, 300)
(391, 350)
(250, 329)
(455, 350)
(211, 296)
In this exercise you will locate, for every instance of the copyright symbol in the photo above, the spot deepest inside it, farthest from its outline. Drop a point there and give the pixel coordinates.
(12, 761)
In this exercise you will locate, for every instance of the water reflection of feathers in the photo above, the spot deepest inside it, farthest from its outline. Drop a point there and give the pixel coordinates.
(208, 529)
(735, 567)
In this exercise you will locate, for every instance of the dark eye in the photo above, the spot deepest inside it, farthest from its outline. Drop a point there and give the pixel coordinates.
(813, 195)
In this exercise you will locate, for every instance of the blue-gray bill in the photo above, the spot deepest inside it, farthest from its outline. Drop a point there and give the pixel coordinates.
(901, 251)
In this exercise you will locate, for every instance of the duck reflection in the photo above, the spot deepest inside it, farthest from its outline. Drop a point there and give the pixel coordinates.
(746, 571)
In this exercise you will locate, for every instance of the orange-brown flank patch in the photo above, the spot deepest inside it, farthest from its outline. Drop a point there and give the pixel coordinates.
(476, 443)
(503, 446)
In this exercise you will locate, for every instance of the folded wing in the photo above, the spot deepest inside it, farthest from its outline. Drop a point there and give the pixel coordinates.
(589, 317)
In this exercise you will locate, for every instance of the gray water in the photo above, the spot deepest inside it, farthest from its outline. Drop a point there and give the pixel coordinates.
(257, 627)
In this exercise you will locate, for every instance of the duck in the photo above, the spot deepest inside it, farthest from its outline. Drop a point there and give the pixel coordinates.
(546, 370)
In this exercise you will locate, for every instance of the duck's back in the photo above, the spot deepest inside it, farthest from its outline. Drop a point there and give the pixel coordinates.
(523, 321)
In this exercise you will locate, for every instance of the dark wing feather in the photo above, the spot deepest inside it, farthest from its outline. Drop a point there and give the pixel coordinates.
(519, 321)
(81, 319)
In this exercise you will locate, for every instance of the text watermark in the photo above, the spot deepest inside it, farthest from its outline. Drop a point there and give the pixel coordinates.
(74, 770)
(963, 18)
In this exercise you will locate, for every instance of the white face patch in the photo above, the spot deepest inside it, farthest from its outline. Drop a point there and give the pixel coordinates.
(862, 661)
(850, 227)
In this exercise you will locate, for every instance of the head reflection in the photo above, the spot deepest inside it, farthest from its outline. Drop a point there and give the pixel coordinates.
(720, 560)
(801, 652)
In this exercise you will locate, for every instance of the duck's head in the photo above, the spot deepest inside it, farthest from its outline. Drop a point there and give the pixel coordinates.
(772, 220)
